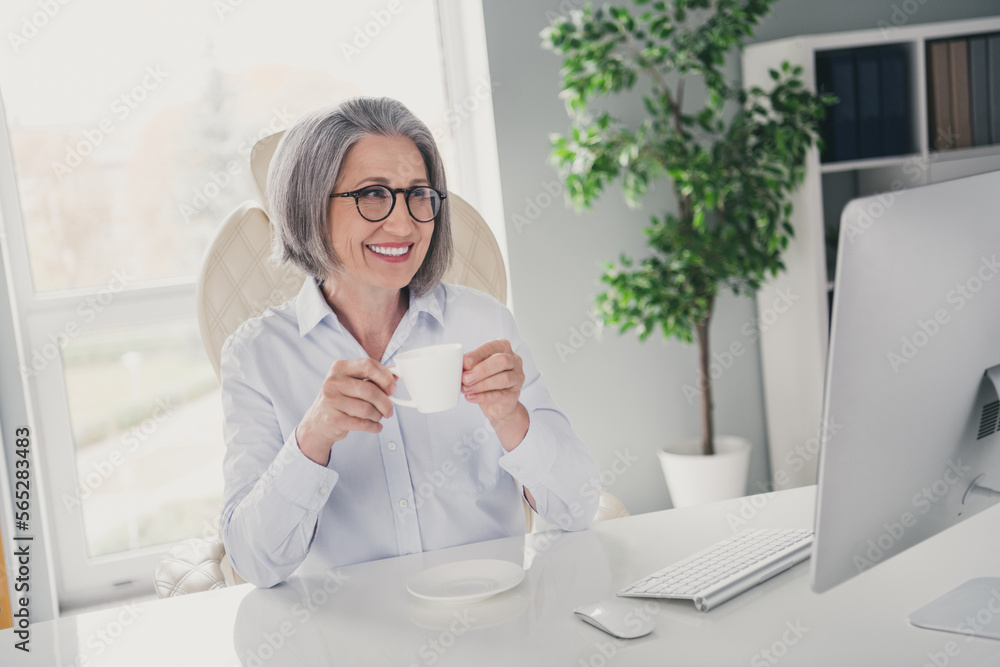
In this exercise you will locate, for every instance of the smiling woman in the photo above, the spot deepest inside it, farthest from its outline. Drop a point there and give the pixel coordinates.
(126, 162)
(320, 468)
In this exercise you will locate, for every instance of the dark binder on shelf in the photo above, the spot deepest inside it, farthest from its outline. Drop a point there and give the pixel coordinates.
(979, 91)
(866, 69)
(993, 53)
(895, 123)
(961, 116)
(835, 74)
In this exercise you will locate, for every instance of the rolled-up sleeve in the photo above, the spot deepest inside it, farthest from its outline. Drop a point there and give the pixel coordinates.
(273, 493)
(551, 461)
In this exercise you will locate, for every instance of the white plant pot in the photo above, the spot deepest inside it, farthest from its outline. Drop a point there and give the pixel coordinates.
(694, 479)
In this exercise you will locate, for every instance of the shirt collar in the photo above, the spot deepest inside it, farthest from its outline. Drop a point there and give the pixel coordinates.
(430, 302)
(311, 306)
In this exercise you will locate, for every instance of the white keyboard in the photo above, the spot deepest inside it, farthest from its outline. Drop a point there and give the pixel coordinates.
(727, 568)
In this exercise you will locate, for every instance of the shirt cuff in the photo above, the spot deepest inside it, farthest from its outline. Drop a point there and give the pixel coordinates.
(531, 461)
(299, 479)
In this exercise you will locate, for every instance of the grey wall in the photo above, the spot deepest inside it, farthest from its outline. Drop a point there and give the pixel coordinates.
(626, 399)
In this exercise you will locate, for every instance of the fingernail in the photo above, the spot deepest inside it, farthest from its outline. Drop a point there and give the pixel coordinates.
(467, 377)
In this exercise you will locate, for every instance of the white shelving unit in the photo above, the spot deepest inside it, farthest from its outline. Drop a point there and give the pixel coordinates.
(794, 343)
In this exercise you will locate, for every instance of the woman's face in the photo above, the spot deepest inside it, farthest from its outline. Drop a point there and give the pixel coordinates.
(396, 163)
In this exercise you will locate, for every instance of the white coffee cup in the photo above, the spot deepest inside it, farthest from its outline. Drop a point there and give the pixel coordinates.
(433, 376)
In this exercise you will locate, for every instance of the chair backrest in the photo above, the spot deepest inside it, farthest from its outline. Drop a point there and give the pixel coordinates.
(238, 280)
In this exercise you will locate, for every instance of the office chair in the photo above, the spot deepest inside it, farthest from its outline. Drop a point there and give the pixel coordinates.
(237, 281)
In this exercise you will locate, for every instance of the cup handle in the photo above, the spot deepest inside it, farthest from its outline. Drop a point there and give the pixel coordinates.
(400, 401)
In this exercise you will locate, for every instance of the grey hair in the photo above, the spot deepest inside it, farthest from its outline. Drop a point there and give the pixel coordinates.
(305, 169)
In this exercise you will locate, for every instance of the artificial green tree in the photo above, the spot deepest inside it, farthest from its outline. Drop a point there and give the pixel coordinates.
(733, 158)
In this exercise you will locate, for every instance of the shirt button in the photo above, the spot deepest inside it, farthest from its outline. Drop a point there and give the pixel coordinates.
(403, 504)
(515, 469)
(323, 490)
(392, 446)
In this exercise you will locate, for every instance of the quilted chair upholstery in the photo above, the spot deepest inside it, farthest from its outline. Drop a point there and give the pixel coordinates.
(610, 507)
(237, 280)
(190, 566)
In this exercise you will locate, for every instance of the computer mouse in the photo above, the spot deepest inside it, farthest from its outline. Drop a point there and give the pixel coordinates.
(624, 618)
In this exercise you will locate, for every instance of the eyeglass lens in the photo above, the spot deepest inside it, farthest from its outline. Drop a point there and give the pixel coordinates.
(376, 201)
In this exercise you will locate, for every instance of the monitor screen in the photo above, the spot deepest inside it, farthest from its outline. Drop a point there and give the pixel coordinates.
(915, 332)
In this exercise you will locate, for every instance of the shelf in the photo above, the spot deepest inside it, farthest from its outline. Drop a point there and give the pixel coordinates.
(900, 160)
(794, 354)
(868, 163)
(965, 153)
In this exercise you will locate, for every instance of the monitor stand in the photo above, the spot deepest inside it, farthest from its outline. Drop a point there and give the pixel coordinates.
(971, 609)
(974, 607)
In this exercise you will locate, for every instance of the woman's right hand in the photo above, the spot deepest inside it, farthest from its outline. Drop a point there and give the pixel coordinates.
(354, 397)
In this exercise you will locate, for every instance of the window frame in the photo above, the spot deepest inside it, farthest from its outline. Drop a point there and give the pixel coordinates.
(16, 405)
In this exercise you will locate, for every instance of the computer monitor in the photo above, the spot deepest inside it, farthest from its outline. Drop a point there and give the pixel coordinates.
(912, 374)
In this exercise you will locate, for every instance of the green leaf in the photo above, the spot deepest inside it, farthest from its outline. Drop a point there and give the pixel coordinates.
(710, 199)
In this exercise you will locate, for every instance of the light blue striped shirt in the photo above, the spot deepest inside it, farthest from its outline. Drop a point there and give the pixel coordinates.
(425, 482)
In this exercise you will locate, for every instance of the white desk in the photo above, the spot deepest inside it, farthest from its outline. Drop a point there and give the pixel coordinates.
(370, 619)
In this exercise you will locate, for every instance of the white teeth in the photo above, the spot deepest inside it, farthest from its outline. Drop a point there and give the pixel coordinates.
(392, 252)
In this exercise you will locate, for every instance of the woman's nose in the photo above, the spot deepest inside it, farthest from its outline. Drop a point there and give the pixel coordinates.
(399, 221)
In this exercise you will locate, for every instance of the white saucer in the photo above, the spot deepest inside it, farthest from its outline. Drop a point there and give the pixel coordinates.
(465, 581)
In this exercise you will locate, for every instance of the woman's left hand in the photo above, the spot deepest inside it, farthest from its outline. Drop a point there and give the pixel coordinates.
(492, 378)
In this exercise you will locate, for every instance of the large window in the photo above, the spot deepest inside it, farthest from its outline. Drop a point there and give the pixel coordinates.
(130, 127)
(131, 123)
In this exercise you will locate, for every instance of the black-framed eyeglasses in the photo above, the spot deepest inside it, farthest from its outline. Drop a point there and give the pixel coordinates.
(375, 202)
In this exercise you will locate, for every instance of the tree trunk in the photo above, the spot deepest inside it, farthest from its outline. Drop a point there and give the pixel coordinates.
(705, 380)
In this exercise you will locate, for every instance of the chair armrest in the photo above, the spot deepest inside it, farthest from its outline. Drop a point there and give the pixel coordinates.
(190, 566)
(609, 507)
